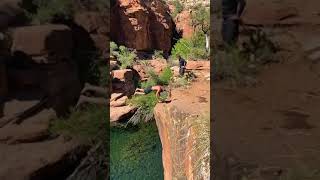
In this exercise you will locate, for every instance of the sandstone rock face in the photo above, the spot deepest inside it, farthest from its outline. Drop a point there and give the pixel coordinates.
(142, 24)
(157, 65)
(183, 24)
(178, 136)
(171, 122)
(44, 44)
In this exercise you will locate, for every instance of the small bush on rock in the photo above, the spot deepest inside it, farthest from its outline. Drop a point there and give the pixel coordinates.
(126, 57)
(157, 54)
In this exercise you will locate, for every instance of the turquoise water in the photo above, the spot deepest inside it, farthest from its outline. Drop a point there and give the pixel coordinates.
(136, 153)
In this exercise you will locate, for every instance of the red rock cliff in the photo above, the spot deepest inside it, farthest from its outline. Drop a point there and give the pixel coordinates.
(142, 24)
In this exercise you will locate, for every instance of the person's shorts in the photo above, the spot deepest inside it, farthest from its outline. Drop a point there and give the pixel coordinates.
(147, 90)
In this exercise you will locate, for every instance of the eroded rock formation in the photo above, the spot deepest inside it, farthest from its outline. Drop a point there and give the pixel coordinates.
(144, 25)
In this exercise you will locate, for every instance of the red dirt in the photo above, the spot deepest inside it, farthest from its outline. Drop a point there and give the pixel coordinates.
(276, 124)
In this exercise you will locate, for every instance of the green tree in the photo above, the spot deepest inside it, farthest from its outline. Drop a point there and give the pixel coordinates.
(200, 21)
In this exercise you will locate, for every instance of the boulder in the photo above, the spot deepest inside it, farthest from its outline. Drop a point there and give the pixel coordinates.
(33, 129)
(140, 70)
(127, 88)
(121, 113)
(123, 81)
(119, 102)
(116, 96)
(51, 158)
(43, 43)
(142, 25)
(123, 75)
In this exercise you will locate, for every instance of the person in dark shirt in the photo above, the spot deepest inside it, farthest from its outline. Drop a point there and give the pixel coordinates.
(182, 65)
(231, 13)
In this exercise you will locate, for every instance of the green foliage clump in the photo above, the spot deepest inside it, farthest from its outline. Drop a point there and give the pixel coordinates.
(146, 102)
(165, 76)
(178, 8)
(157, 54)
(163, 79)
(193, 48)
(183, 48)
(125, 57)
(113, 49)
(48, 10)
(90, 123)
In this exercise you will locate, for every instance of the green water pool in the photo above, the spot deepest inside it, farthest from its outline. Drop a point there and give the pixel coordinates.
(136, 153)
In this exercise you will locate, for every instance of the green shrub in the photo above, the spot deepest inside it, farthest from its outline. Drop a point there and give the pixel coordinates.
(183, 48)
(113, 49)
(157, 54)
(90, 123)
(145, 105)
(165, 76)
(193, 48)
(126, 57)
(48, 10)
(163, 79)
(146, 102)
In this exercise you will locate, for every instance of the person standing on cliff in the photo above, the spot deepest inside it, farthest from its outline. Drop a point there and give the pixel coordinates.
(182, 65)
(231, 14)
